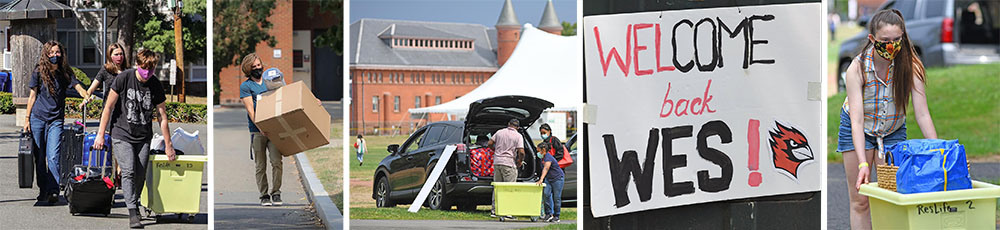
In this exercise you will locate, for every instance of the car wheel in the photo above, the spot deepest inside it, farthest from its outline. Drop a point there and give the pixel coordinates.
(438, 200)
(382, 192)
(842, 77)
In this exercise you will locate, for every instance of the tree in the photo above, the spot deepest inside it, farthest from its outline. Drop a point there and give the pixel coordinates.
(239, 27)
(569, 29)
(158, 32)
(334, 36)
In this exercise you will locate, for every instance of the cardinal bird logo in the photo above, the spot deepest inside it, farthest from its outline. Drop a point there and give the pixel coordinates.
(790, 149)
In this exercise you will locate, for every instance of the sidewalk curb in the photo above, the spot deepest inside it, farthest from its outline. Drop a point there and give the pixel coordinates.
(325, 209)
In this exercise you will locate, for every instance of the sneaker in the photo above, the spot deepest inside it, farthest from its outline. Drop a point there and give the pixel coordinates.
(54, 198)
(493, 215)
(276, 200)
(554, 220)
(134, 220)
(265, 201)
(547, 217)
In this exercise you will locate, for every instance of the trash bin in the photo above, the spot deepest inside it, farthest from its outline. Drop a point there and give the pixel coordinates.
(176, 185)
(518, 199)
(973, 208)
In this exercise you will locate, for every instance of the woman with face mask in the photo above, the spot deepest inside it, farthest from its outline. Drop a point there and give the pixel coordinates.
(114, 64)
(880, 82)
(46, 110)
(556, 146)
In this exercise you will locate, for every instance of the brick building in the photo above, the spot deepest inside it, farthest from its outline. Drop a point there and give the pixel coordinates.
(396, 65)
(294, 29)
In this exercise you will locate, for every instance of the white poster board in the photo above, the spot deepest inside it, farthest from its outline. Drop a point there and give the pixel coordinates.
(683, 106)
(431, 179)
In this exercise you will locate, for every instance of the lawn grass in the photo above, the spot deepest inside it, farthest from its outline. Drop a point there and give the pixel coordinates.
(327, 163)
(553, 226)
(400, 213)
(361, 175)
(844, 32)
(964, 102)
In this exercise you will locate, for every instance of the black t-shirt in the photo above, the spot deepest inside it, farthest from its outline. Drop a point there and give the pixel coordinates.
(556, 145)
(49, 107)
(133, 114)
(106, 79)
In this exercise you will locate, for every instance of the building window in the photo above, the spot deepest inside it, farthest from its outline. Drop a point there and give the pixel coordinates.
(374, 104)
(395, 104)
(297, 59)
(416, 102)
(437, 100)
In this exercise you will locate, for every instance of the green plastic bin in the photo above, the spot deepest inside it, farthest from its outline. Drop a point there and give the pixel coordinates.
(518, 199)
(973, 208)
(176, 185)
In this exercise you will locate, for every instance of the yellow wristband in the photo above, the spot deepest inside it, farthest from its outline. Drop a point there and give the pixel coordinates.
(862, 165)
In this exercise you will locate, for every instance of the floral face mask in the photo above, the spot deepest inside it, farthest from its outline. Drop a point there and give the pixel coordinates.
(887, 49)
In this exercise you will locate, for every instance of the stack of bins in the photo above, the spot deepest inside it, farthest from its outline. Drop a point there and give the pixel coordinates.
(176, 185)
(973, 208)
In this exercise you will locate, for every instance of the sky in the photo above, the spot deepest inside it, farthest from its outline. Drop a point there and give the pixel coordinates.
(484, 12)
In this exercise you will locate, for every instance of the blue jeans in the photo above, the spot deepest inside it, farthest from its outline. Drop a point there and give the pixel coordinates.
(47, 138)
(552, 196)
(846, 143)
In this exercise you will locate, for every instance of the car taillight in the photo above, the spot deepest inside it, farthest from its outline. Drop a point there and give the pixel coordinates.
(947, 30)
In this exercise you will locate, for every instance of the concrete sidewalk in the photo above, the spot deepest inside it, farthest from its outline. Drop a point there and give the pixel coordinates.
(237, 203)
(17, 210)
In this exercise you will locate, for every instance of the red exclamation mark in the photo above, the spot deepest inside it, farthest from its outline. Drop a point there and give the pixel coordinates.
(753, 138)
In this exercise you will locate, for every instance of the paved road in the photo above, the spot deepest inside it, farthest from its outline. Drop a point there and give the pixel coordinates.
(447, 224)
(237, 203)
(837, 216)
(17, 210)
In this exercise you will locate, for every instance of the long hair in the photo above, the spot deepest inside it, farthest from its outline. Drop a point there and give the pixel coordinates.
(48, 71)
(110, 65)
(906, 64)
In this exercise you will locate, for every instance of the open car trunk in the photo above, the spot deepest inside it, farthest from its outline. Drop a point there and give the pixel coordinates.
(479, 156)
(977, 28)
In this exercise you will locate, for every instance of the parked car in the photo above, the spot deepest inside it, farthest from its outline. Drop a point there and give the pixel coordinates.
(943, 32)
(399, 177)
(569, 186)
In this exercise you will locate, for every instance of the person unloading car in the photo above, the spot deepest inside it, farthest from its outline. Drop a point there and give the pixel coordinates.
(508, 154)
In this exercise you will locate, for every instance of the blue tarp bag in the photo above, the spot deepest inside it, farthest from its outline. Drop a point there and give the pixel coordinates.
(927, 165)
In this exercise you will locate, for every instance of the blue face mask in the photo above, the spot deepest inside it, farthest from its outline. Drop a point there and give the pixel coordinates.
(540, 155)
(545, 136)
(54, 60)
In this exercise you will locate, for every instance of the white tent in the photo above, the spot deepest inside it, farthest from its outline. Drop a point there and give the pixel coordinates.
(543, 65)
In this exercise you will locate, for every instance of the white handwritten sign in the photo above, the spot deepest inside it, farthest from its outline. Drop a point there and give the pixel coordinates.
(697, 106)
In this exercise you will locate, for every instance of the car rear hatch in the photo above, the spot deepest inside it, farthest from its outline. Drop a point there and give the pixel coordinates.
(976, 31)
(499, 110)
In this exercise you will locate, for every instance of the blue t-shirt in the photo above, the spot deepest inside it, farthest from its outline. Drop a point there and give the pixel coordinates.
(554, 171)
(49, 107)
(251, 89)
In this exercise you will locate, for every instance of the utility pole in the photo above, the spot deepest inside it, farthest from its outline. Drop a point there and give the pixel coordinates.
(179, 48)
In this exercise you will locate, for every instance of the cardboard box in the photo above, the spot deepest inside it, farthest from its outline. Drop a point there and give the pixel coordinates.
(293, 119)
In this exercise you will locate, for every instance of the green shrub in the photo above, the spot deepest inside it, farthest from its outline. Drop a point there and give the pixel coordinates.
(6, 103)
(176, 112)
(82, 77)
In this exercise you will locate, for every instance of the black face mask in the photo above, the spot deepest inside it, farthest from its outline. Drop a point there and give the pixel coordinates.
(255, 73)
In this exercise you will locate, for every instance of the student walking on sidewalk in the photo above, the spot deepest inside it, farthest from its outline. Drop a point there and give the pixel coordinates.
(262, 150)
(129, 108)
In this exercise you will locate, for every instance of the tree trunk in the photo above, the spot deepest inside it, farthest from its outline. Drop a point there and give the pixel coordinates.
(126, 26)
(26, 41)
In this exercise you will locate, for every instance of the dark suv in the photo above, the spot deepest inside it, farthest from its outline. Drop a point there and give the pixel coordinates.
(943, 32)
(400, 175)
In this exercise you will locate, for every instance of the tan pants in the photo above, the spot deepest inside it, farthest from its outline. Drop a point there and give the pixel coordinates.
(261, 156)
(502, 173)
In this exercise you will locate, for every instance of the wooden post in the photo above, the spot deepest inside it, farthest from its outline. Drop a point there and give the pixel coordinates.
(27, 36)
(179, 53)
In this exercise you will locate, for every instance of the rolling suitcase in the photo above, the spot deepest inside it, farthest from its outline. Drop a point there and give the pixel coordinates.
(70, 151)
(26, 161)
(90, 188)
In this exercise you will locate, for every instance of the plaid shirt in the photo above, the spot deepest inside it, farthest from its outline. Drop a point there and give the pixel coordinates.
(881, 117)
